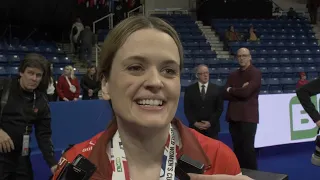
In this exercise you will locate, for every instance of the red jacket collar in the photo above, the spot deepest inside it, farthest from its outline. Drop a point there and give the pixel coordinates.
(190, 147)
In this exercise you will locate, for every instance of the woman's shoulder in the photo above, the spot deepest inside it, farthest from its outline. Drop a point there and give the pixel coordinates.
(61, 78)
(84, 148)
(223, 159)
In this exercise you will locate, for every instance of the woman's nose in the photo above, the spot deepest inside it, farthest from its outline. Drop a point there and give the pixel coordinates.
(153, 79)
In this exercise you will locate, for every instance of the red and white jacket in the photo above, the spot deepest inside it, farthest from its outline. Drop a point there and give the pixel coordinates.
(216, 156)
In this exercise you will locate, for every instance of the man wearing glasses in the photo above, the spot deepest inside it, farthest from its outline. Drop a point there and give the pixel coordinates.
(242, 91)
(203, 104)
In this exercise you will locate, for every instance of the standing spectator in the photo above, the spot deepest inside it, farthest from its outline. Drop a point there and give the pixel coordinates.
(303, 80)
(312, 6)
(120, 9)
(276, 13)
(86, 40)
(68, 86)
(26, 108)
(90, 84)
(292, 14)
(203, 104)
(76, 29)
(52, 86)
(242, 91)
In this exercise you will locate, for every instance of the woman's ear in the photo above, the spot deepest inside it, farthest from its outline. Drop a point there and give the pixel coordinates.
(105, 89)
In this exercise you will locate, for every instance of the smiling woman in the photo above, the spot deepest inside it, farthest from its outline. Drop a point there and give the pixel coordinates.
(140, 72)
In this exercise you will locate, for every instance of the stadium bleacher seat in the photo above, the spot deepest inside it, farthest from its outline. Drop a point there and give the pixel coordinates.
(286, 47)
(12, 53)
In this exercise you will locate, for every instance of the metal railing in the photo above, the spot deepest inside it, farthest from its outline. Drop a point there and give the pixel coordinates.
(275, 5)
(98, 49)
(110, 16)
(167, 11)
(137, 8)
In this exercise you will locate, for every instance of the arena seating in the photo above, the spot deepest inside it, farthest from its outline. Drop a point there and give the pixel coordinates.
(11, 54)
(286, 47)
(196, 48)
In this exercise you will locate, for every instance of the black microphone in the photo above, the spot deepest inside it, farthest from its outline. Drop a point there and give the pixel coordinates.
(187, 165)
(80, 169)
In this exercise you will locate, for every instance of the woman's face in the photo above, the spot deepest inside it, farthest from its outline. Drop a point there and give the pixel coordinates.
(144, 83)
(67, 71)
(92, 71)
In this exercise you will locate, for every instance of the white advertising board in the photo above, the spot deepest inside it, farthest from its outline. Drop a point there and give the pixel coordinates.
(284, 121)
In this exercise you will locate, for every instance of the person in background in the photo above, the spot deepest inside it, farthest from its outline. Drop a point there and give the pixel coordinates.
(76, 29)
(304, 94)
(303, 80)
(312, 6)
(90, 84)
(140, 66)
(276, 13)
(26, 108)
(242, 90)
(52, 86)
(86, 40)
(68, 86)
(292, 14)
(232, 35)
(203, 104)
(252, 35)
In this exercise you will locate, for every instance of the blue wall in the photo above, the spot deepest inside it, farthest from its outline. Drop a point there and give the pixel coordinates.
(74, 122)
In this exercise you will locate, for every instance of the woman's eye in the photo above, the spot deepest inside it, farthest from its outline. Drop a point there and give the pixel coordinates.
(135, 68)
(170, 71)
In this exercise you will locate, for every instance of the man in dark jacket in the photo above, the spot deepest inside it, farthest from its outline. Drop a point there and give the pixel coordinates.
(312, 6)
(90, 84)
(26, 107)
(86, 40)
(242, 91)
(304, 95)
(203, 104)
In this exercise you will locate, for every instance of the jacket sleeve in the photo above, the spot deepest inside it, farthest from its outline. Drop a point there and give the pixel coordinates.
(43, 135)
(59, 87)
(188, 109)
(226, 161)
(83, 85)
(77, 88)
(245, 92)
(227, 95)
(218, 107)
(98, 88)
(66, 158)
(304, 93)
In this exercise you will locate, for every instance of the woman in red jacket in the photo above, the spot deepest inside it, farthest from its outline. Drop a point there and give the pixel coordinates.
(68, 87)
(303, 80)
(140, 69)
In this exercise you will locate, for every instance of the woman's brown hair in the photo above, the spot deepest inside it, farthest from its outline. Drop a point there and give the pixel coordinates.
(119, 34)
